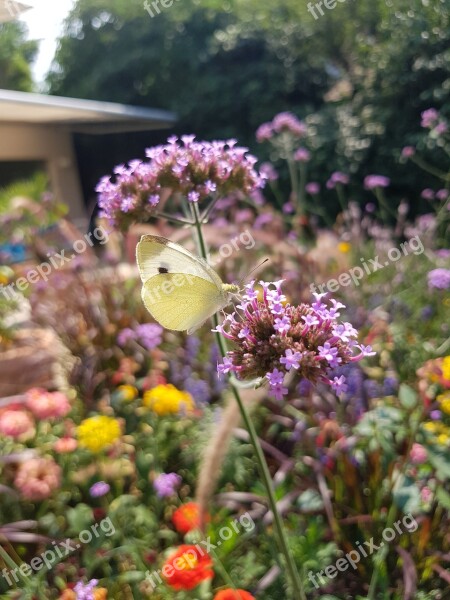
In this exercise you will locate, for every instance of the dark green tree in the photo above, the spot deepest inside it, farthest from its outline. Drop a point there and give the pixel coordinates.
(16, 54)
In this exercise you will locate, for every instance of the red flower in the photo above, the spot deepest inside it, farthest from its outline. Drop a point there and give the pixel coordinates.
(230, 594)
(187, 517)
(186, 568)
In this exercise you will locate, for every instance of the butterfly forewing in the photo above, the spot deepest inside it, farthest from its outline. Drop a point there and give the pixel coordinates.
(156, 255)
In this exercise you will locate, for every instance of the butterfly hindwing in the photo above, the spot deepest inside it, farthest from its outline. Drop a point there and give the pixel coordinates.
(181, 301)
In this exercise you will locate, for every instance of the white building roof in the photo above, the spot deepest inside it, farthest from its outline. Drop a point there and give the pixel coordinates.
(81, 116)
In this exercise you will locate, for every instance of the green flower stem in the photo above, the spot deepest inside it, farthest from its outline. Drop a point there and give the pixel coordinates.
(267, 480)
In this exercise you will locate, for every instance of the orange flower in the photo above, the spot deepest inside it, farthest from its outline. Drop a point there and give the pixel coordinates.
(187, 567)
(230, 594)
(187, 517)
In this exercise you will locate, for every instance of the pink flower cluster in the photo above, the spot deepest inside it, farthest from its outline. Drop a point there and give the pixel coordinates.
(371, 182)
(337, 177)
(47, 405)
(273, 337)
(17, 424)
(284, 122)
(37, 478)
(431, 119)
(194, 169)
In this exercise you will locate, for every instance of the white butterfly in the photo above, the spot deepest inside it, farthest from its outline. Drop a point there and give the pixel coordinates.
(180, 290)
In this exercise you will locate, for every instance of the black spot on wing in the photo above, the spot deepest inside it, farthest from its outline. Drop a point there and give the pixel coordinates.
(162, 270)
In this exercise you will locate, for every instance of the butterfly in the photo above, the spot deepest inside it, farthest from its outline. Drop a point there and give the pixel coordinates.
(180, 290)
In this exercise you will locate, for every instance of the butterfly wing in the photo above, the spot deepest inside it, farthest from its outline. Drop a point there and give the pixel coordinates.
(181, 301)
(156, 255)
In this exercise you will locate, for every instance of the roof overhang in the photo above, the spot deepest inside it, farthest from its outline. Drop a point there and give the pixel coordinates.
(11, 9)
(80, 116)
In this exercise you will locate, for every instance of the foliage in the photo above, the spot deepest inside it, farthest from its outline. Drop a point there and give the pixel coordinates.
(16, 54)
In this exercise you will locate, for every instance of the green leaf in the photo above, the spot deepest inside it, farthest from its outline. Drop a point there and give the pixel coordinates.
(407, 396)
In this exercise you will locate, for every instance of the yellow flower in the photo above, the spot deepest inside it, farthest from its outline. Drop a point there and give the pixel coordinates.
(444, 401)
(443, 439)
(431, 426)
(127, 392)
(446, 368)
(344, 247)
(96, 433)
(165, 399)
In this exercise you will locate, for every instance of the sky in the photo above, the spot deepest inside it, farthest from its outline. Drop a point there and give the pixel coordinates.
(44, 21)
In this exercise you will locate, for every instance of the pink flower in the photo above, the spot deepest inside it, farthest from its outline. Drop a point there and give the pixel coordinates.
(312, 188)
(441, 128)
(302, 155)
(427, 194)
(268, 171)
(442, 194)
(47, 405)
(65, 445)
(408, 151)
(38, 478)
(287, 121)
(372, 182)
(418, 454)
(337, 177)
(264, 132)
(426, 494)
(429, 118)
(17, 424)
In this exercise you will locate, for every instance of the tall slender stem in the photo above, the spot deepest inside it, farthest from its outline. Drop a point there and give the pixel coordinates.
(264, 469)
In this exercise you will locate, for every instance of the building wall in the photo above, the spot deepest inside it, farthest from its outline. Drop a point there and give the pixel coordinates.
(52, 145)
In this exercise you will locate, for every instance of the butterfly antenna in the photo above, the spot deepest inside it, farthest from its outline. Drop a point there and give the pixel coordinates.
(241, 281)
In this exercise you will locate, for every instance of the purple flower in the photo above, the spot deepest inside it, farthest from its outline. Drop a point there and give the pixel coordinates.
(166, 484)
(281, 338)
(291, 359)
(85, 591)
(312, 188)
(427, 194)
(226, 366)
(371, 182)
(339, 386)
(288, 208)
(429, 118)
(149, 335)
(330, 354)
(302, 155)
(440, 128)
(187, 167)
(275, 378)
(98, 489)
(439, 279)
(125, 336)
(268, 171)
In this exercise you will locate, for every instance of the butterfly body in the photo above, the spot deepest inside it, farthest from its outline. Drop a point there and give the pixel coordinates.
(180, 290)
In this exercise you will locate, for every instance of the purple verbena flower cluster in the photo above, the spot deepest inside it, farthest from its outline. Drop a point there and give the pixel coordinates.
(149, 335)
(337, 177)
(281, 123)
(371, 182)
(195, 169)
(85, 591)
(273, 337)
(439, 279)
(166, 484)
(432, 119)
